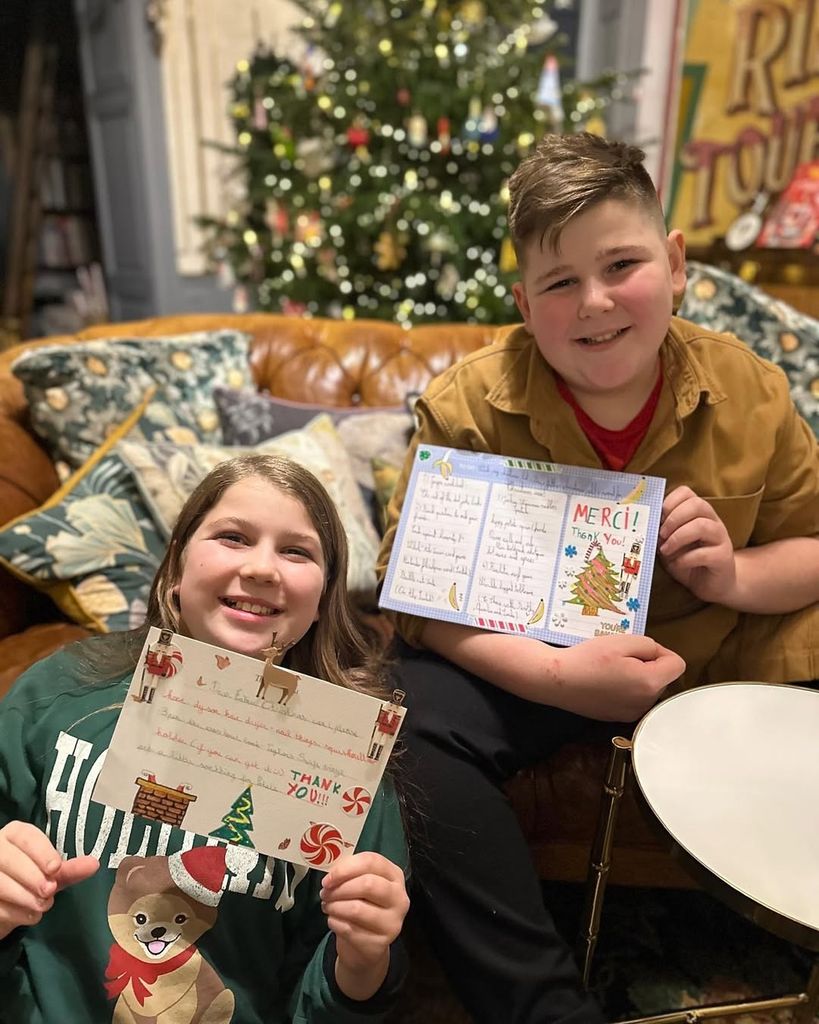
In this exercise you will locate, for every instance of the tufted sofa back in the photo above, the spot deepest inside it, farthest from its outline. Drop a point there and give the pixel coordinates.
(320, 361)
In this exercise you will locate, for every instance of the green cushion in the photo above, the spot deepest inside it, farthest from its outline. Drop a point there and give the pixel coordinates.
(79, 393)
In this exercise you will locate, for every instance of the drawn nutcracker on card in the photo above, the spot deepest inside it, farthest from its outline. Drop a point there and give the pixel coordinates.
(630, 568)
(162, 661)
(387, 723)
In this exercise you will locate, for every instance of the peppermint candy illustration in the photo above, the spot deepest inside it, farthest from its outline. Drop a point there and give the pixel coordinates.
(321, 844)
(356, 800)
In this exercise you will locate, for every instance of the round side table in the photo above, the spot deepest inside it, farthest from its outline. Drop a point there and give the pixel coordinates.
(730, 772)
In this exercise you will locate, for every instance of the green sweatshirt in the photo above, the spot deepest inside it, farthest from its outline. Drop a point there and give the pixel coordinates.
(262, 955)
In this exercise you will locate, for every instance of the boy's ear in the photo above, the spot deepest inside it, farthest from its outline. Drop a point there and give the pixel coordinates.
(522, 301)
(675, 244)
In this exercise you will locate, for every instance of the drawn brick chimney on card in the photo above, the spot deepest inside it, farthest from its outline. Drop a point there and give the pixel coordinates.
(161, 803)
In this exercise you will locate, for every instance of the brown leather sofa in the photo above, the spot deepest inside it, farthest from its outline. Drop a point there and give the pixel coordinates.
(369, 363)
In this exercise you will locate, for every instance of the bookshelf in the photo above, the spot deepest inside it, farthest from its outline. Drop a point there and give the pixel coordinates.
(52, 238)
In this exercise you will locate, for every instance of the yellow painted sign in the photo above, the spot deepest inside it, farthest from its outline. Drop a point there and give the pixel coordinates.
(749, 109)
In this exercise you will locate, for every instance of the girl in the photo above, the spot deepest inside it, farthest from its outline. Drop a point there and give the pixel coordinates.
(258, 547)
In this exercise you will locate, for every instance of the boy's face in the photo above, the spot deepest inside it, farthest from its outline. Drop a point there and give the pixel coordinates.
(599, 307)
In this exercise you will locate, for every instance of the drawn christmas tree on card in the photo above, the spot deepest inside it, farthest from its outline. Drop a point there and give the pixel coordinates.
(237, 823)
(596, 586)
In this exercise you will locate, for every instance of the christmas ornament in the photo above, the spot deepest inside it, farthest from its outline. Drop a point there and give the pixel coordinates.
(333, 12)
(549, 93)
(326, 261)
(403, 96)
(390, 251)
(260, 118)
(310, 67)
(312, 156)
(291, 308)
(437, 245)
(471, 129)
(508, 262)
(225, 275)
(444, 136)
(358, 135)
(488, 130)
(448, 281)
(596, 125)
(542, 30)
(283, 146)
(276, 218)
(417, 130)
(309, 229)
(472, 12)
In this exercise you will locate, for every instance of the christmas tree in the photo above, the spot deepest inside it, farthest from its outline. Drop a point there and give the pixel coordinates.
(237, 823)
(373, 173)
(596, 586)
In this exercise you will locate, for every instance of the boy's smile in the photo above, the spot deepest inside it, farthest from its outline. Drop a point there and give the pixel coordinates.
(599, 306)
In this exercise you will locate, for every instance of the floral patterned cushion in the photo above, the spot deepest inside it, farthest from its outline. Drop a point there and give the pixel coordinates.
(93, 546)
(79, 393)
(367, 432)
(723, 302)
(166, 474)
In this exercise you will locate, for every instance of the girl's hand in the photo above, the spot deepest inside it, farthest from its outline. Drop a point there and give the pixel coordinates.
(695, 547)
(31, 873)
(365, 900)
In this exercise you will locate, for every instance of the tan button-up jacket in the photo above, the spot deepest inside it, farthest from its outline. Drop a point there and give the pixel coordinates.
(725, 425)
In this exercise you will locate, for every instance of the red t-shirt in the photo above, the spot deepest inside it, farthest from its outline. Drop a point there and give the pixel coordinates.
(615, 447)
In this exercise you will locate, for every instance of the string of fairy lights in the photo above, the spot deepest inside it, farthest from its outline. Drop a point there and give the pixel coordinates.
(374, 168)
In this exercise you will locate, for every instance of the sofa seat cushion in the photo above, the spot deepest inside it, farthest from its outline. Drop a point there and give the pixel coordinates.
(21, 650)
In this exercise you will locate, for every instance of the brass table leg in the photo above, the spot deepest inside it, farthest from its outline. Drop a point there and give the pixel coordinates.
(600, 857)
(807, 1011)
(805, 1004)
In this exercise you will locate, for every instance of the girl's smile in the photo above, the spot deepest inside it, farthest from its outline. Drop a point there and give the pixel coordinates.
(254, 566)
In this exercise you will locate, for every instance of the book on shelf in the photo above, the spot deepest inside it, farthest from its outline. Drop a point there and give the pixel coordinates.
(66, 241)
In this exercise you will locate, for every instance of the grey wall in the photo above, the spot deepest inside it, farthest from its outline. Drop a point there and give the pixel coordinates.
(611, 38)
(123, 92)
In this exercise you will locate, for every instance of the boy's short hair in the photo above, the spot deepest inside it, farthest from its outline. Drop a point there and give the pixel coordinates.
(568, 174)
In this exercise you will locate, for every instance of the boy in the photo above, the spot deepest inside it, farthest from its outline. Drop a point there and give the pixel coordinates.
(600, 375)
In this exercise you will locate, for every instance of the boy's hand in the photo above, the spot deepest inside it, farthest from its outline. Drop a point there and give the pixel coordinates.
(616, 678)
(695, 547)
(365, 900)
(31, 873)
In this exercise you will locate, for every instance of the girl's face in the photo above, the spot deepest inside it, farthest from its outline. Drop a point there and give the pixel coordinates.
(253, 566)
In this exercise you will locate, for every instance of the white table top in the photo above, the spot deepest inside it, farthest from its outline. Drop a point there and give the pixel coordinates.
(732, 773)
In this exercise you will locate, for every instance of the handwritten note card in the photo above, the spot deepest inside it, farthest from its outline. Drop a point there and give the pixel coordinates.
(206, 742)
(560, 553)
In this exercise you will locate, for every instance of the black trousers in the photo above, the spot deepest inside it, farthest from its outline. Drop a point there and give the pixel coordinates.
(474, 885)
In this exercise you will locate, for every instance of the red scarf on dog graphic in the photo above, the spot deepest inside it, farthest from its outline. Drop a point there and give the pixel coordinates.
(124, 968)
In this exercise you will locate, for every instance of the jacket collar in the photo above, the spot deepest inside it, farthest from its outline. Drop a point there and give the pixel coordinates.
(528, 388)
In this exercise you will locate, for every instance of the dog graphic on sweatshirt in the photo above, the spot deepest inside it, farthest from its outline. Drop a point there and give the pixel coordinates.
(158, 909)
